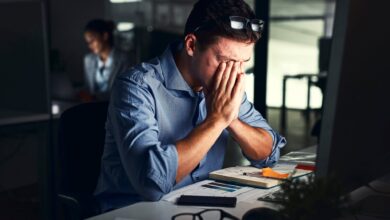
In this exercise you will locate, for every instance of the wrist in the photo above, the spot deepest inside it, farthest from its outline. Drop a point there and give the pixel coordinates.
(217, 122)
(234, 124)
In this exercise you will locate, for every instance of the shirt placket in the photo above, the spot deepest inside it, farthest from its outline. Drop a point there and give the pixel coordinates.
(198, 118)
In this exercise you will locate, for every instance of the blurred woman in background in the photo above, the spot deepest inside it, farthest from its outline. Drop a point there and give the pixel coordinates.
(105, 61)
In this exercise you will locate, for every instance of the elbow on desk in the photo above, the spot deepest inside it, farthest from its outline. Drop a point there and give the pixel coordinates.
(151, 194)
(153, 189)
(262, 154)
(269, 161)
(154, 177)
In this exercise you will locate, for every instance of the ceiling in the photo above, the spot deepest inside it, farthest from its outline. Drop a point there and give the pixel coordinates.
(297, 8)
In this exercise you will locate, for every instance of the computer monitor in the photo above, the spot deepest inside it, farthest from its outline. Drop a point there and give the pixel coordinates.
(355, 134)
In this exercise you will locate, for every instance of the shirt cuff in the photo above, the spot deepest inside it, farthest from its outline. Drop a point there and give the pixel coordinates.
(162, 162)
(278, 142)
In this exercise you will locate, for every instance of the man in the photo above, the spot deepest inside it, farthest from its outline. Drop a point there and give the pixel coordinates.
(169, 118)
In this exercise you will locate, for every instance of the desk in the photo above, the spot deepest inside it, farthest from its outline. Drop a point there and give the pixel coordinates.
(161, 210)
(165, 210)
(10, 117)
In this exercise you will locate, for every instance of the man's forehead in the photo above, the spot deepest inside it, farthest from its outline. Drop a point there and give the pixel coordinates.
(233, 51)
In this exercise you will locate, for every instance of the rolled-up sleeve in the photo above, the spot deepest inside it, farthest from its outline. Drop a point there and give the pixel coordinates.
(150, 165)
(251, 116)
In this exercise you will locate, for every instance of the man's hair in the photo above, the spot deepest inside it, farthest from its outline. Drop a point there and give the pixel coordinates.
(211, 17)
(100, 26)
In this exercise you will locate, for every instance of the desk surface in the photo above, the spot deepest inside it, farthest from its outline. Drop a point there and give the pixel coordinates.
(11, 117)
(165, 210)
(14, 117)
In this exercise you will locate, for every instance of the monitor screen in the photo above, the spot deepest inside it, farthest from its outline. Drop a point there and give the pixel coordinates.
(354, 143)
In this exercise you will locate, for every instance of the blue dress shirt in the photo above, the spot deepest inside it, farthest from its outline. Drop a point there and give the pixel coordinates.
(151, 108)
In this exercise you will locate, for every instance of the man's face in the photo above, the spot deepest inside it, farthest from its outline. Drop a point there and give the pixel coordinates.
(205, 62)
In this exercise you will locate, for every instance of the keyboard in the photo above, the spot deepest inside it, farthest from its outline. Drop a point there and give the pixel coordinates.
(275, 197)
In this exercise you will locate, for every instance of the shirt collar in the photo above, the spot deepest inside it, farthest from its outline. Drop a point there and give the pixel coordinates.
(172, 76)
(109, 60)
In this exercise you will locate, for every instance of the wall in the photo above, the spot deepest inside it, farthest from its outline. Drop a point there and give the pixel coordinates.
(23, 63)
(67, 21)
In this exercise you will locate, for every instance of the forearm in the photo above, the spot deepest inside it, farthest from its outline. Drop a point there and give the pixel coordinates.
(195, 146)
(255, 142)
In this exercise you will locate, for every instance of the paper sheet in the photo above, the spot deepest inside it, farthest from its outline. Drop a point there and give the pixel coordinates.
(307, 158)
(215, 188)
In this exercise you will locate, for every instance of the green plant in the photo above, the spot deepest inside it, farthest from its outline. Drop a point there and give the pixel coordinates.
(313, 198)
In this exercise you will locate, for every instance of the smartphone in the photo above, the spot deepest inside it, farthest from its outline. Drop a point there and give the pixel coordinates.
(207, 201)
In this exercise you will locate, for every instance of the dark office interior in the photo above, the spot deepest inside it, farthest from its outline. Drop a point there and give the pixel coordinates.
(319, 75)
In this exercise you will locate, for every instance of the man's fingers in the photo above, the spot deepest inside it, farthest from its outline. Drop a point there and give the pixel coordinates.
(232, 79)
(241, 67)
(237, 86)
(219, 75)
(243, 81)
(225, 77)
(243, 84)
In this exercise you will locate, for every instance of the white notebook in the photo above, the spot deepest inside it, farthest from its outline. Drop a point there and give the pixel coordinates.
(251, 176)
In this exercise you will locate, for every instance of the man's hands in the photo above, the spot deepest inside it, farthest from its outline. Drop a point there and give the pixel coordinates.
(223, 100)
(224, 95)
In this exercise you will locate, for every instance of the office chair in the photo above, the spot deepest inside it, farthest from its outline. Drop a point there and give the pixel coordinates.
(81, 142)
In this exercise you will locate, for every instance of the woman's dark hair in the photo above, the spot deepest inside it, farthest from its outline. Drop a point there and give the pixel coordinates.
(100, 27)
(213, 16)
